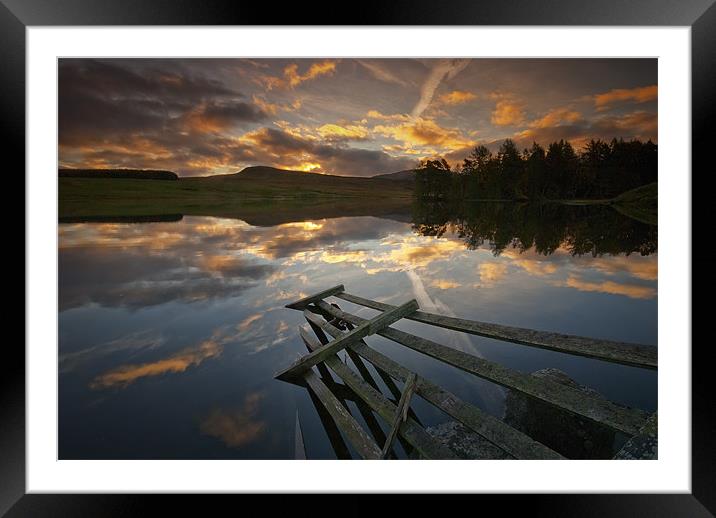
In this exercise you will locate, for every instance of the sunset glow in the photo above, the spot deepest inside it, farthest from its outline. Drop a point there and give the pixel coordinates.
(356, 117)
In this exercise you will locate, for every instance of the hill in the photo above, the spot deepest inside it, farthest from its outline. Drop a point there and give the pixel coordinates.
(270, 182)
(401, 176)
(254, 187)
(267, 172)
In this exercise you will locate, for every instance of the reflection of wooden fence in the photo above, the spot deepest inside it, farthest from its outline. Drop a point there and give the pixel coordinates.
(347, 332)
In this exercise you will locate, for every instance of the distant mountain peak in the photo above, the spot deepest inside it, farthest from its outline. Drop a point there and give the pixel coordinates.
(264, 170)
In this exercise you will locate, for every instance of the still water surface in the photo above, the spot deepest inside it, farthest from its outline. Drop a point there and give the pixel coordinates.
(170, 332)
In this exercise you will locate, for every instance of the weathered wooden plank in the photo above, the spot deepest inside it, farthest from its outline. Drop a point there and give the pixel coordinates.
(367, 327)
(302, 303)
(636, 355)
(362, 369)
(340, 448)
(322, 369)
(627, 420)
(383, 375)
(421, 440)
(364, 410)
(401, 414)
(644, 445)
(514, 442)
(359, 438)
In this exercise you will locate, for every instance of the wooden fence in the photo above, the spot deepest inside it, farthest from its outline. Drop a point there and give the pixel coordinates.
(336, 330)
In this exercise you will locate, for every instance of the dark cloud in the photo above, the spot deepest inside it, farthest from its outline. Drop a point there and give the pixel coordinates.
(347, 117)
(336, 235)
(100, 102)
(133, 278)
(232, 112)
(360, 162)
(118, 79)
(335, 158)
(177, 268)
(636, 125)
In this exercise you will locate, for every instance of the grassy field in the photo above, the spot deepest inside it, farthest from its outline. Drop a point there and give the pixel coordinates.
(259, 196)
(267, 196)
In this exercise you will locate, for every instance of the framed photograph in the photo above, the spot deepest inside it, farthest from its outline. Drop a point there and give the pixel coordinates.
(259, 253)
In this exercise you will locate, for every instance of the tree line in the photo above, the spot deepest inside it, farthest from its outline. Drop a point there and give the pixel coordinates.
(582, 230)
(601, 170)
(135, 174)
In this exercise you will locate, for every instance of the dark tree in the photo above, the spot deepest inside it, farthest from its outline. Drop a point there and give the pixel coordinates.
(433, 179)
(600, 171)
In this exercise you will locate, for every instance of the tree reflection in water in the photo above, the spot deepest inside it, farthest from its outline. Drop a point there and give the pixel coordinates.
(591, 229)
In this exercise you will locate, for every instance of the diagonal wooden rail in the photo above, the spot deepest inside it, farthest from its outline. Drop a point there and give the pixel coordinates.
(364, 410)
(636, 355)
(401, 414)
(422, 441)
(367, 327)
(300, 304)
(604, 412)
(359, 438)
(324, 319)
(510, 440)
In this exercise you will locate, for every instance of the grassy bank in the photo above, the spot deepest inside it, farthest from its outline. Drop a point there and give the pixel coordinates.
(256, 198)
(640, 203)
(264, 197)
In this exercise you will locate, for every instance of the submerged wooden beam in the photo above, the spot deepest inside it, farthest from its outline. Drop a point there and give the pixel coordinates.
(636, 355)
(512, 441)
(422, 441)
(340, 448)
(627, 420)
(364, 410)
(367, 327)
(359, 438)
(300, 447)
(356, 359)
(401, 414)
(300, 304)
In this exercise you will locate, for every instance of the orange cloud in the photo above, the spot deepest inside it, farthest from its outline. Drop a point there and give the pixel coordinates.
(556, 117)
(492, 272)
(640, 121)
(222, 264)
(375, 114)
(643, 269)
(307, 167)
(336, 132)
(637, 95)
(273, 108)
(508, 113)
(317, 69)
(238, 427)
(292, 78)
(127, 374)
(246, 323)
(629, 290)
(536, 267)
(412, 254)
(425, 132)
(457, 97)
(211, 117)
(445, 284)
(356, 256)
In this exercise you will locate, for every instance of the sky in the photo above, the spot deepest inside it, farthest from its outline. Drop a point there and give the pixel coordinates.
(354, 117)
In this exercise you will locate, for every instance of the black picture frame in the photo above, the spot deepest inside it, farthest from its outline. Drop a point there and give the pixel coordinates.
(700, 15)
